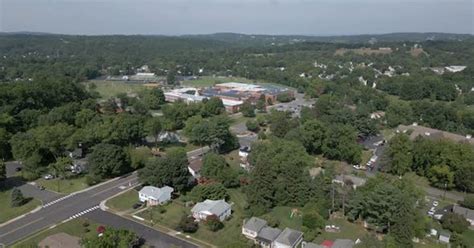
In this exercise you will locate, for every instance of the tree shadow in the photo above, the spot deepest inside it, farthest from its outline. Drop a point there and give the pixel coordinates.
(11, 182)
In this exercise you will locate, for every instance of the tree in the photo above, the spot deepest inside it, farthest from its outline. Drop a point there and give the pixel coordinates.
(216, 168)
(403, 229)
(188, 224)
(399, 112)
(454, 222)
(153, 98)
(107, 160)
(212, 131)
(279, 123)
(214, 191)
(17, 198)
(112, 238)
(440, 176)
(400, 154)
(213, 223)
(3, 172)
(153, 127)
(171, 170)
(213, 106)
(58, 169)
(247, 109)
(171, 77)
(313, 136)
(261, 104)
(285, 97)
(5, 149)
(252, 126)
(340, 143)
(468, 202)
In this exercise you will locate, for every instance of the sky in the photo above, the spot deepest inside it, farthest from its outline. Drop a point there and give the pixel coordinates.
(176, 17)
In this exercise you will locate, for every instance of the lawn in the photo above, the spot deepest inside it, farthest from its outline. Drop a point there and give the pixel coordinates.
(348, 230)
(123, 201)
(207, 81)
(283, 215)
(468, 237)
(9, 212)
(108, 89)
(66, 186)
(74, 227)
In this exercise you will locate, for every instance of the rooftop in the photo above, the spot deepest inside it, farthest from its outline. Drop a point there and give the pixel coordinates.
(216, 207)
(255, 224)
(343, 243)
(289, 237)
(155, 192)
(268, 234)
(431, 133)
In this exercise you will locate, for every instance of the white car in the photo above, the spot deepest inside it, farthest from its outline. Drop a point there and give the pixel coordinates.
(48, 177)
(430, 213)
(435, 203)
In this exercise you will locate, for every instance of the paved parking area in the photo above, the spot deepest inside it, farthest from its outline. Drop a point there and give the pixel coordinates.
(294, 106)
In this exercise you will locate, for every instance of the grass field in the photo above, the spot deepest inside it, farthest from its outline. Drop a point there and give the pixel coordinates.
(108, 89)
(74, 227)
(348, 230)
(468, 237)
(124, 201)
(207, 81)
(7, 212)
(66, 186)
(282, 214)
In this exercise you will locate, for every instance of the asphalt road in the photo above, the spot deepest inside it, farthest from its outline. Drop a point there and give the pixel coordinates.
(153, 238)
(63, 209)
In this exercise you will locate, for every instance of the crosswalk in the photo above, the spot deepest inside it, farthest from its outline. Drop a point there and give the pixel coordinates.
(83, 212)
(58, 200)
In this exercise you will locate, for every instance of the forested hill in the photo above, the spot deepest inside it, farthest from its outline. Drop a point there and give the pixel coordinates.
(248, 39)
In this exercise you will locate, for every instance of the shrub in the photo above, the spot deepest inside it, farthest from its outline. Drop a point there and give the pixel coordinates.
(454, 222)
(188, 225)
(93, 179)
(285, 97)
(468, 202)
(213, 223)
(271, 220)
(252, 125)
(17, 198)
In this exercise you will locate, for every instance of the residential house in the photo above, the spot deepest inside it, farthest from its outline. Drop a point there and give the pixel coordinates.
(289, 238)
(252, 227)
(349, 180)
(155, 196)
(311, 245)
(343, 243)
(465, 212)
(220, 208)
(267, 236)
(194, 167)
(444, 236)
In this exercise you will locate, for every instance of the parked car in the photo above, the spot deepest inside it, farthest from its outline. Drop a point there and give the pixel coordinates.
(48, 177)
(359, 167)
(137, 205)
(431, 213)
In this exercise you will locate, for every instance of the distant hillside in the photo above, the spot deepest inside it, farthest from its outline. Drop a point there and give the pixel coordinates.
(366, 38)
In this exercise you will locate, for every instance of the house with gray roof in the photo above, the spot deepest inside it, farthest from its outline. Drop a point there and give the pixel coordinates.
(289, 238)
(343, 243)
(220, 208)
(465, 212)
(252, 227)
(154, 196)
(311, 245)
(267, 236)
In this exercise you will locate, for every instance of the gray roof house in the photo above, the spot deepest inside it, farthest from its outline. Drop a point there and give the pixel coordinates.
(219, 208)
(465, 212)
(343, 243)
(154, 196)
(311, 245)
(289, 238)
(252, 227)
(267, 236)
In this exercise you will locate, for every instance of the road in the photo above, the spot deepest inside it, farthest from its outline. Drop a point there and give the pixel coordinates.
(62, 209)
(153, 237)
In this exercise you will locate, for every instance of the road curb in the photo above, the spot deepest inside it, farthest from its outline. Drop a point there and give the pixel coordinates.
(21, 216)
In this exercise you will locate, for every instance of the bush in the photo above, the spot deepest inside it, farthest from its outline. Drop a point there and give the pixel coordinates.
(215, 191)
(93, 179)
(213, 223)
(285, 97)
(17, 198)
(188, 225)
(468, 202)
(454, 222)
(271, 220)
(252, 125)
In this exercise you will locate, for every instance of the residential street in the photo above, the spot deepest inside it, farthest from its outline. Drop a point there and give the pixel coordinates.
(63, 209)
(153, 237)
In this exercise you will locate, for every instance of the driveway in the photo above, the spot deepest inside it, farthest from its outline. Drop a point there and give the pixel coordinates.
(153, 237)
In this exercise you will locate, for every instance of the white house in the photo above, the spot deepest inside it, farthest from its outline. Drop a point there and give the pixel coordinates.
(154, 196)
(289, 238)
(220, 208)
(252, 227)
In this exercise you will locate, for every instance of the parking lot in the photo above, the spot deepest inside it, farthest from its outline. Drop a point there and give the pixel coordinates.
(294, 106)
